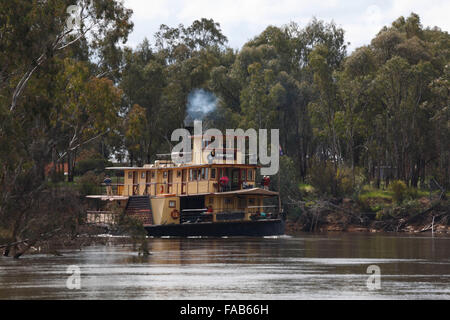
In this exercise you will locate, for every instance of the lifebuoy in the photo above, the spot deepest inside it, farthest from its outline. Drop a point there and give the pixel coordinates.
(175, 214)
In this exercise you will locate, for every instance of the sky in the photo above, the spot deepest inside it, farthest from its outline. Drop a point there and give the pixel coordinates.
(242, 20)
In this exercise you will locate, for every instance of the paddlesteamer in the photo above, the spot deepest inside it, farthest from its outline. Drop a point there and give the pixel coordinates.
(207, 196)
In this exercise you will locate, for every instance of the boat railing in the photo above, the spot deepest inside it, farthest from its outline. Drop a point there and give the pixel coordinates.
(175, 188)
(228, 214)
(113, 189)
(101, 217)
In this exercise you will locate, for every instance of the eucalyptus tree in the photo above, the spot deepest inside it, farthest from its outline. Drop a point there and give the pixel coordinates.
(35, 36)
(159, 78)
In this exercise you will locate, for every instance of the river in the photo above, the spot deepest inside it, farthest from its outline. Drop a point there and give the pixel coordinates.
(304, 266)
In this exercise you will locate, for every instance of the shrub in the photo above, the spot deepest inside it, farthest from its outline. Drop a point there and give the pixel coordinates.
(379, 215)
(326, 180)
(94, 164)
(399, 189)
(294, 214)
(323, 178)
(344, 181)
(364, 204)
(412, 193)
(89, 183)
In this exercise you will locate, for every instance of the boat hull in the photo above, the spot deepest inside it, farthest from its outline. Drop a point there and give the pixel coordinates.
(259, 228)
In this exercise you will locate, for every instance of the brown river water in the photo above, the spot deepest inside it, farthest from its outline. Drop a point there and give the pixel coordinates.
(304, 266)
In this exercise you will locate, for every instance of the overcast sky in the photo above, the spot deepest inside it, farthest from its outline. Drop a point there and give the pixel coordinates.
(241, 20)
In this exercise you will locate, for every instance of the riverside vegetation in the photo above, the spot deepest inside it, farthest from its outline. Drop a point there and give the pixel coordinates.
(365, 135)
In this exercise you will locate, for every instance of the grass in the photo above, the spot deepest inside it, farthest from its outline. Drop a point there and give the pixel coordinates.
(306, 188)
(369, 192)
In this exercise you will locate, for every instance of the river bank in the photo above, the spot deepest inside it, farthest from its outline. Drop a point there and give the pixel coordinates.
(375, 215)
(336, 215)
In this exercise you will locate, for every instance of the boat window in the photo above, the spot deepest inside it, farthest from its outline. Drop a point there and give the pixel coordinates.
(143, 175)
(190, 175)
(250, 174)
(203, 173)
(194, 174)
(172, 203)
(251, 201)
(243, 175)
(165, 174)
(153, 174)
(213, 173)
(130, 175)
(206, 174)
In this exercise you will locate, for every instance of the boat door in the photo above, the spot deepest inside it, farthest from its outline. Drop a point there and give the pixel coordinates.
(183, 181)
(135, 183)
(147, 182)
(169, 181)
(235, 179)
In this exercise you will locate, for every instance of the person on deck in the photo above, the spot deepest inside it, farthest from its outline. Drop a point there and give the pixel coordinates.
(223, 181)
(266, 182)
(107, 182)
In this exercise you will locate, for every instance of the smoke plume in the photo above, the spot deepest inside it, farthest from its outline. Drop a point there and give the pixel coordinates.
(200, 104)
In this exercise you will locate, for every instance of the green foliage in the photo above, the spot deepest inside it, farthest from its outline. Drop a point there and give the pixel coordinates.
(407, 208)
(322, 177)
(89, 183)
(364, 204)
(326, 180)
(97, 165)
(398, 189)
(345, 181)
(368, 192)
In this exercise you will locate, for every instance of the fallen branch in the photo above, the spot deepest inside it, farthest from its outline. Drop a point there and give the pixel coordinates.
(29, 243)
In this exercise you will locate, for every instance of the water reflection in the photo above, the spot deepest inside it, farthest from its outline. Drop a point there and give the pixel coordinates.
(305, 266)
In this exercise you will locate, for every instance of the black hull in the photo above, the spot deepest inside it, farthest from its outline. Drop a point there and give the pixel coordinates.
(258, 228)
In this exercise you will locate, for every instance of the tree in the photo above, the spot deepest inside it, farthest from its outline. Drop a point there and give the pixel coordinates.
(88, 109)
(36, 40)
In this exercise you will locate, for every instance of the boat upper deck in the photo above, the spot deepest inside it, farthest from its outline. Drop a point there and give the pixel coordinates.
(164, 180)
